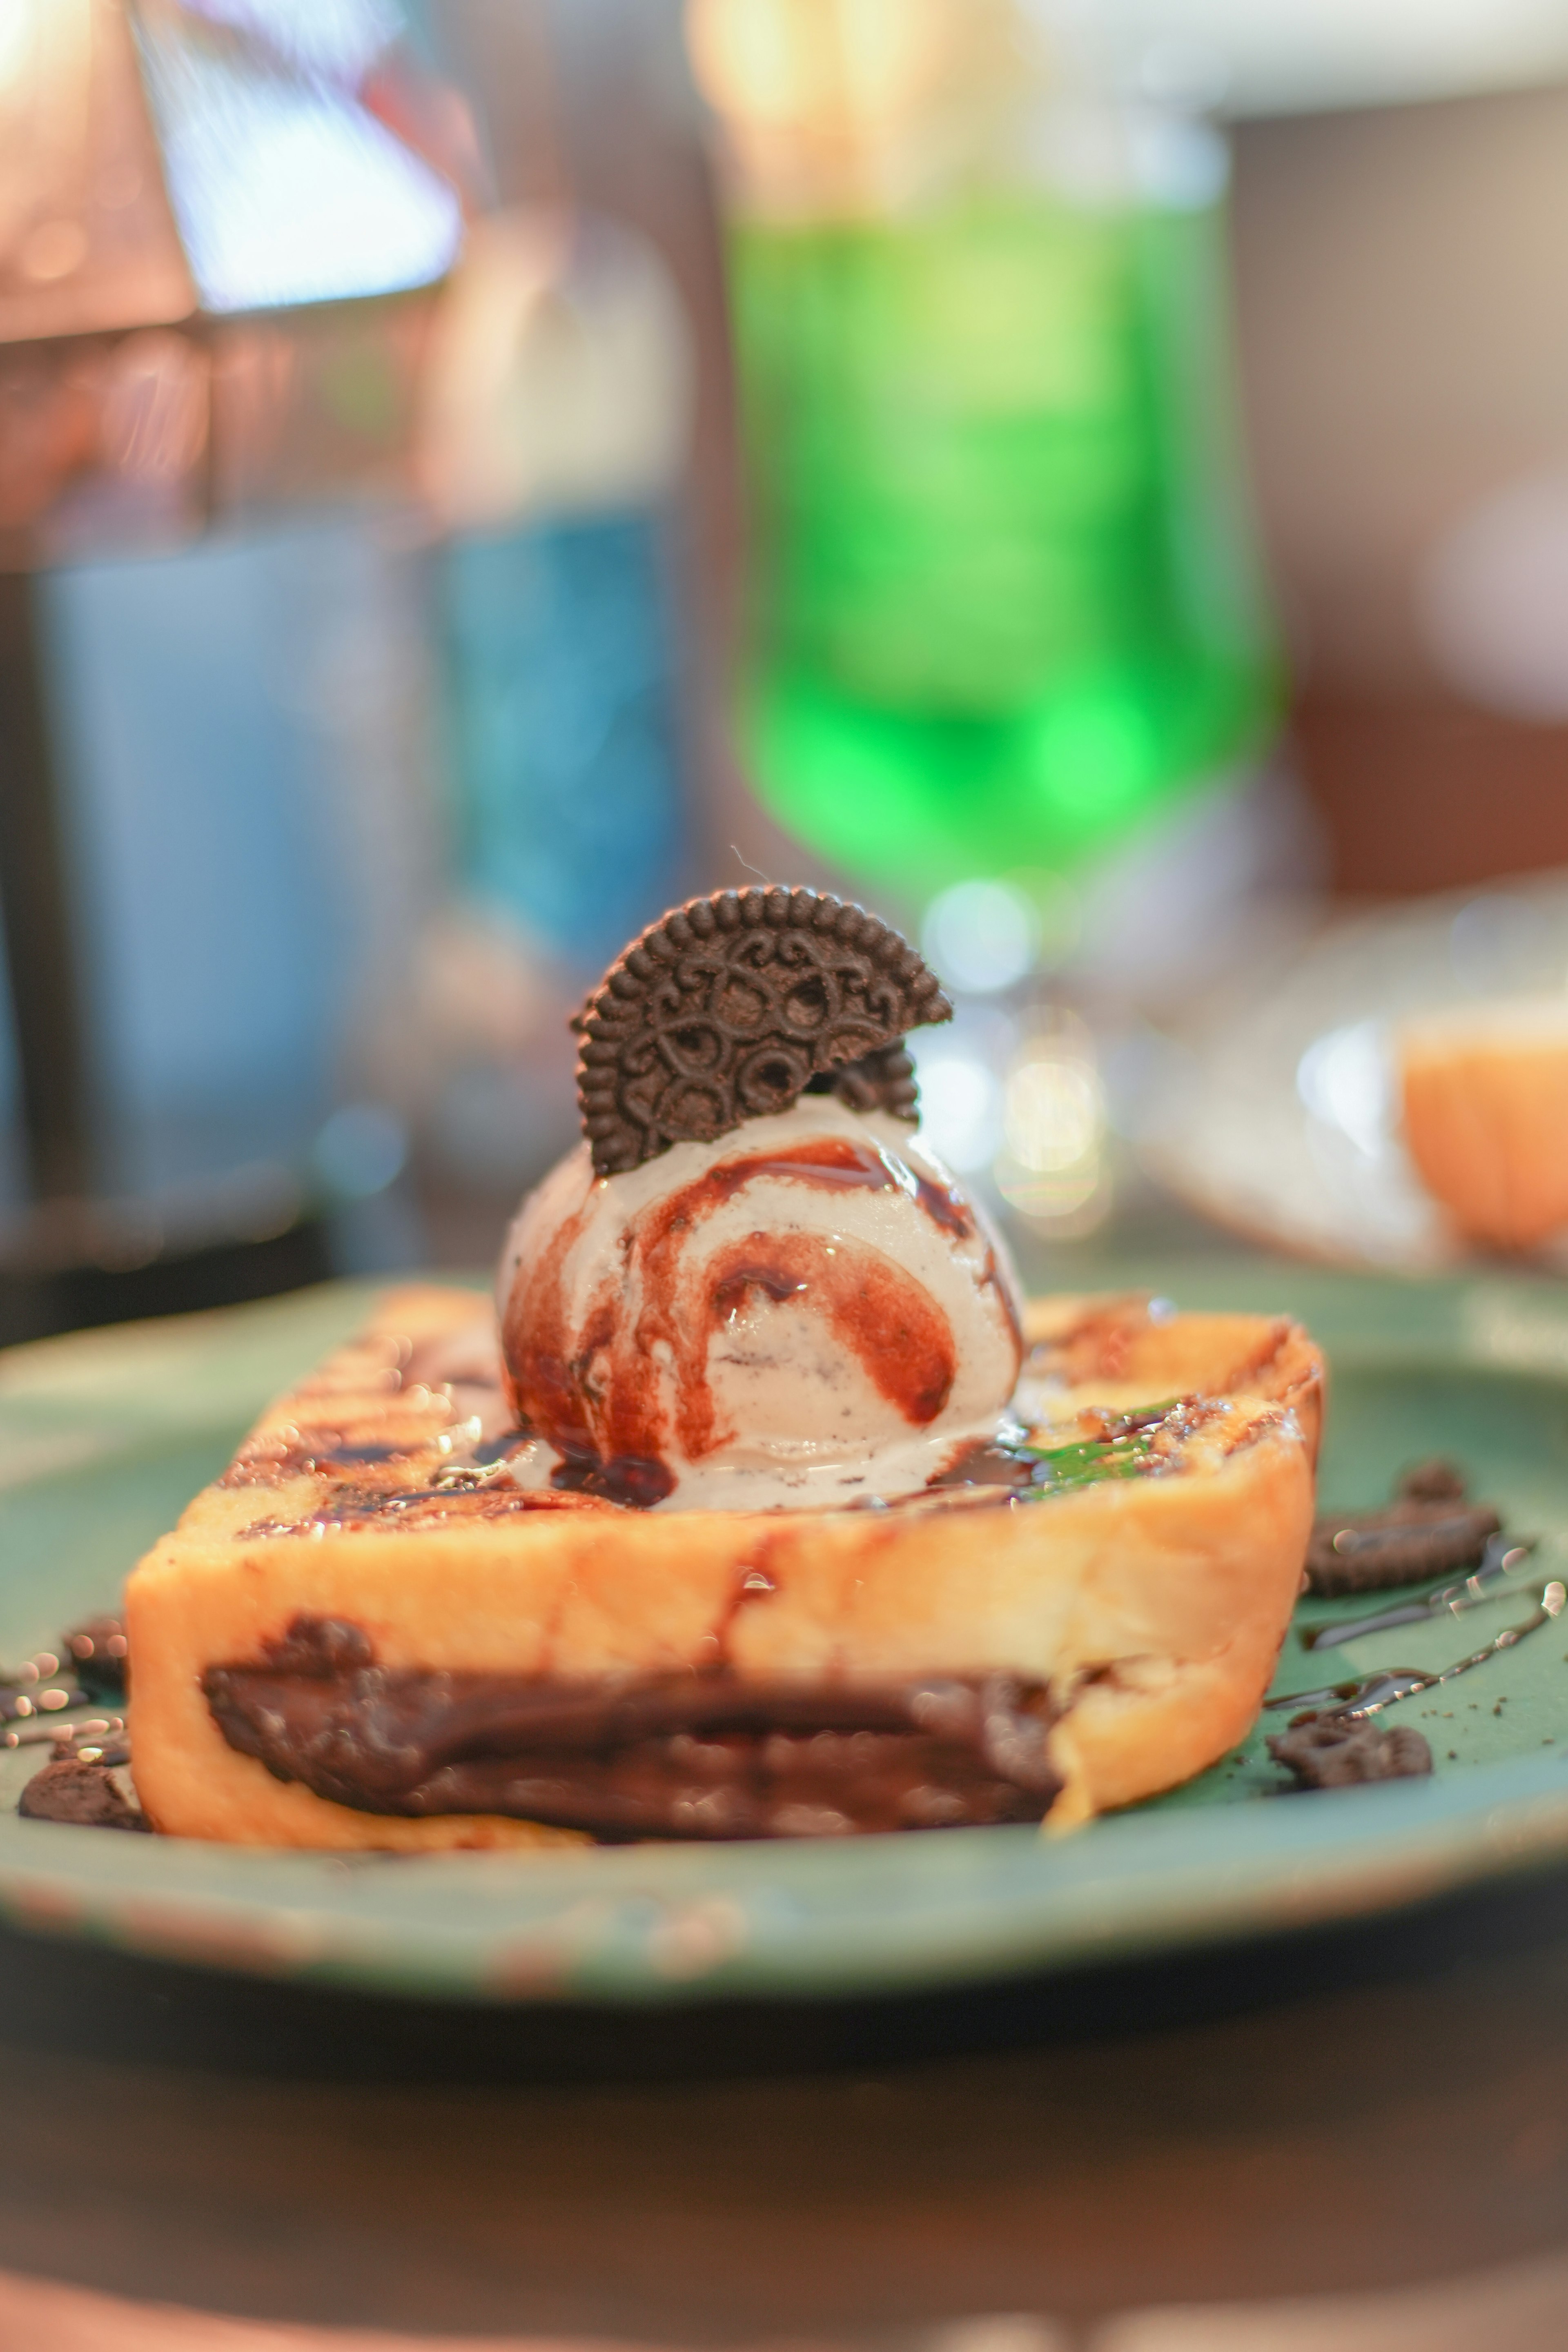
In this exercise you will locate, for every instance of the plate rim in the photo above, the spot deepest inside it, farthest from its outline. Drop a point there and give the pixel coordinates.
(666, 1924)
(648, 1938)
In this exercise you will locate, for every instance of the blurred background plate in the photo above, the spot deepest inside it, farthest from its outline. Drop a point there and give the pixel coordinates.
(103, 1438)
(1279, 1117)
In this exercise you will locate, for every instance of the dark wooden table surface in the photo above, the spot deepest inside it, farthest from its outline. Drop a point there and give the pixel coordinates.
(1352, 2141)
(1347, 2114)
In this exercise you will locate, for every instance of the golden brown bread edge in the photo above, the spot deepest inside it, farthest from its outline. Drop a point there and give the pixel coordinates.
(1156, 1606)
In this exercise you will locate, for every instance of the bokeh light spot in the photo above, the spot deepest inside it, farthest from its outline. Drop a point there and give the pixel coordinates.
(980, 936)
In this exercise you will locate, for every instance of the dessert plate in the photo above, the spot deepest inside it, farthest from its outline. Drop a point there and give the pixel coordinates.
(103, 1436)
(1281, 1119)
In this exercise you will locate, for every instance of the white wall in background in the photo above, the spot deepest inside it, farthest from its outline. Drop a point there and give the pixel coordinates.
(1282, 56)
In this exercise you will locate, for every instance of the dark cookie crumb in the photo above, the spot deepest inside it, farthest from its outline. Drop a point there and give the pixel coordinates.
(735, 1005)
(87, 1796)
(1437, 1481)
(1336, 1751)
(97, 1653)
(1403, 1543)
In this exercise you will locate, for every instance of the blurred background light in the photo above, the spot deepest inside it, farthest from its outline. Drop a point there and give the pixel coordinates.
(979, 936)
(960, 1109)
(1052, 1114)
(1297, 54)
(286, 189)
(525, 407)
(362, 1148)
(340, 39)
(1345, 1079)
(1053, 1167)
(959, 1067)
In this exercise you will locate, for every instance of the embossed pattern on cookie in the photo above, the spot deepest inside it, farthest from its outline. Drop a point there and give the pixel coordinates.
(735, 1005)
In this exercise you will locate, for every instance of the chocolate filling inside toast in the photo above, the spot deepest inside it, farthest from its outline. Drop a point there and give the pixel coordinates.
(703, 1756)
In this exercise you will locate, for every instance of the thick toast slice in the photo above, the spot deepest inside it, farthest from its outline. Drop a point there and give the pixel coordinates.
(1100, 1625)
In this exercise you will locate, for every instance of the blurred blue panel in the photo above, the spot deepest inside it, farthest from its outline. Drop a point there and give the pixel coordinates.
(209, 878)
(561, 701)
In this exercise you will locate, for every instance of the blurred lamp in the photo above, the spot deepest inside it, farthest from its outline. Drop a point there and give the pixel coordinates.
(172, 180)
(219, 220)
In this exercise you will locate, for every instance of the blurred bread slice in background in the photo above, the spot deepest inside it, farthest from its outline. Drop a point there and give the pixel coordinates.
(1485, 1096)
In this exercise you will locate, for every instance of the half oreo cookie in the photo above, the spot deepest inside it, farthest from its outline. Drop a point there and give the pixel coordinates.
(733, 1007)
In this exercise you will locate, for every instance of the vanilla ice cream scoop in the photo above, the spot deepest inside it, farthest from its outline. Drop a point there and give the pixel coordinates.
(806, 1310)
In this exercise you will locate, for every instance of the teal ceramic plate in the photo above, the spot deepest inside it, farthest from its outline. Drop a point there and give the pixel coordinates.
(104, 1436)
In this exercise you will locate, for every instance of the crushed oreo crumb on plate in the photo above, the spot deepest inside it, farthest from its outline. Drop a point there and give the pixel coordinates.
(1436, 1481)
(1341, 1752)
(86, 1795)
(1430, 1530)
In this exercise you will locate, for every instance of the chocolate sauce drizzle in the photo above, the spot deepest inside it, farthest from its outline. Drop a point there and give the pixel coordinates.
(1369, 1694)
(1503, 1557)
(89, 1666)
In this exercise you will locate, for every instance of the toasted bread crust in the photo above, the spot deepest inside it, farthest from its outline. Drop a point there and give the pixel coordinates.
(1124, 1351)
(1155, 1606)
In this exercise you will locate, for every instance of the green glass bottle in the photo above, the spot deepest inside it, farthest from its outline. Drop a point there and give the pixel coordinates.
(1004, 603)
